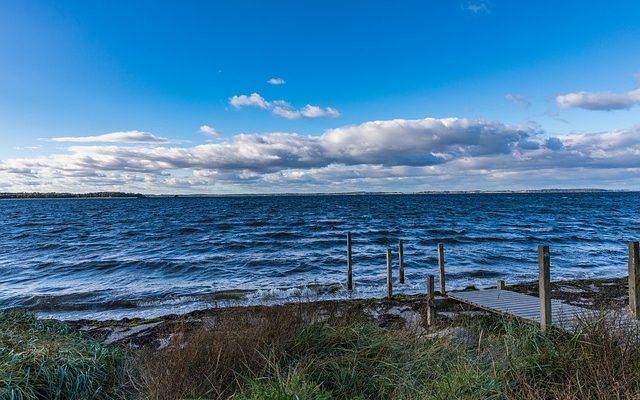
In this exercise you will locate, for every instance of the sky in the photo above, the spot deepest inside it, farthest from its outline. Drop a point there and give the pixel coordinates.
(218, 97)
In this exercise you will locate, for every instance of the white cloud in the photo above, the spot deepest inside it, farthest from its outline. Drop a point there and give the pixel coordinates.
(276, 81)
(599, 101)
(476, 7)
(114, 137)
(252, 100)
(307, 111)
(208, 130)
(447, 153)
(283, 108)
(518, 100)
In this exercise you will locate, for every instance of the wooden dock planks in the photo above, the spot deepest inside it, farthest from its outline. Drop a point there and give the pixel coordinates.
(563, 316)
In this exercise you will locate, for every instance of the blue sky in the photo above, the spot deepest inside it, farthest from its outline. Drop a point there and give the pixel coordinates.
(173, 97)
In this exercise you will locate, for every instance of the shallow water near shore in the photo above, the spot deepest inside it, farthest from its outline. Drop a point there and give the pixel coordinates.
(115, 258)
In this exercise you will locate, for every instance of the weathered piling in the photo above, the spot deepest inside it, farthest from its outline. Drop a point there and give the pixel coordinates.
(389, 276)
(400, 261)
(544, 282)
(431, 287)
(349, 263)
(634, 279)
(441, 268)
(500, 284)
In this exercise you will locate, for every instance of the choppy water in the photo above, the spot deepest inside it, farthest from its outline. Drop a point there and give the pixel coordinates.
(114, 258)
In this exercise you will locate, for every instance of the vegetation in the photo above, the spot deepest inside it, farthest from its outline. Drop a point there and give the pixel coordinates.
(58, 195)
(278, 354)
(41, 359)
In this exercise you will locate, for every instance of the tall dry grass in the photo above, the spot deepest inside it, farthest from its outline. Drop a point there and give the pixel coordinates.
(602, 361)
(281, 355)
(212, 363)
(292, 353)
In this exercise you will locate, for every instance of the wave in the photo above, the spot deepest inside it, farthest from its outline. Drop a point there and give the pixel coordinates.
(253, 250)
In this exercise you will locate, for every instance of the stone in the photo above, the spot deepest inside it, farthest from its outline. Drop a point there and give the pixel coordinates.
(122, 333)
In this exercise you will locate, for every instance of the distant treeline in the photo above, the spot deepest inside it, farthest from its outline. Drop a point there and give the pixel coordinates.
(58, 195)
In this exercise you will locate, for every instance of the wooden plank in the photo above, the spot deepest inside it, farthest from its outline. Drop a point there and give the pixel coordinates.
(443, 290)
(430, 295)
(349, 263)
(544, 282)
(400, 261)
(389, 276)
(634, 279)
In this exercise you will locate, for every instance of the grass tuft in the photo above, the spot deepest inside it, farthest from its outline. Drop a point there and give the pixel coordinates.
(42, 359)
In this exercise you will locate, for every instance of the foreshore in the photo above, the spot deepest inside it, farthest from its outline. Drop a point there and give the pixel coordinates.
(343, 349)
(403, 311)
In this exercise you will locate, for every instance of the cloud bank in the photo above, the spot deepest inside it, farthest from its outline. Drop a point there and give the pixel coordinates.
(282, 108)
(400, 154)
(605, 101)
(114, 137)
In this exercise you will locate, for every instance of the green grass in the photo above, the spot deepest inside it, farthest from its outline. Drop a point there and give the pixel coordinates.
(277, 354)
(362, 360)
(41, 359)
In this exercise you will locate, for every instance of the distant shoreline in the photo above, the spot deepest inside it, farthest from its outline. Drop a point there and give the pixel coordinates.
(123, 195)
(55, 195)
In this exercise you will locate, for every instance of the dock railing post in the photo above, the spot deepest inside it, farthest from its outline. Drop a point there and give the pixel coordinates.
(349, 263)
(400, 261)
(634, 279)
(431, 287)
(389, 276)
(500, 284)
(441, 268)
(544, 281)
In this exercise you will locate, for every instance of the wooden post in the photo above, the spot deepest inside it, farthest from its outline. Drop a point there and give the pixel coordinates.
(441, 268)
(349, 263)
(500, 284)
(401, 261)
(634, 279)
(389, 276)
(544, 282)
(431, 288)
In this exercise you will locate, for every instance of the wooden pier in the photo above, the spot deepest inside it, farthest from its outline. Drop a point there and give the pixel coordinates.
(523, 306)
(549, 313)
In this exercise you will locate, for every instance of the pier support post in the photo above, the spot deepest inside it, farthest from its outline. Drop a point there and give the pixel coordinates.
(349, 263)
(431, 287)
(389, 276)
(544, 281)
(441, 268)
(500, 284)
(634, 279)
(400, 261)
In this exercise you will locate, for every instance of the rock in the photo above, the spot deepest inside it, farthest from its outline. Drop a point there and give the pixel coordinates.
(447, 314)
(457, 335)
(120, 334)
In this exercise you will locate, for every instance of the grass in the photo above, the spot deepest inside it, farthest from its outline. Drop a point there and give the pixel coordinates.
(286, 354)
(41, 359)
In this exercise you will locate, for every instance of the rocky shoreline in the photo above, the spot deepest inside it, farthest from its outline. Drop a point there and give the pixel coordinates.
(403, 312)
